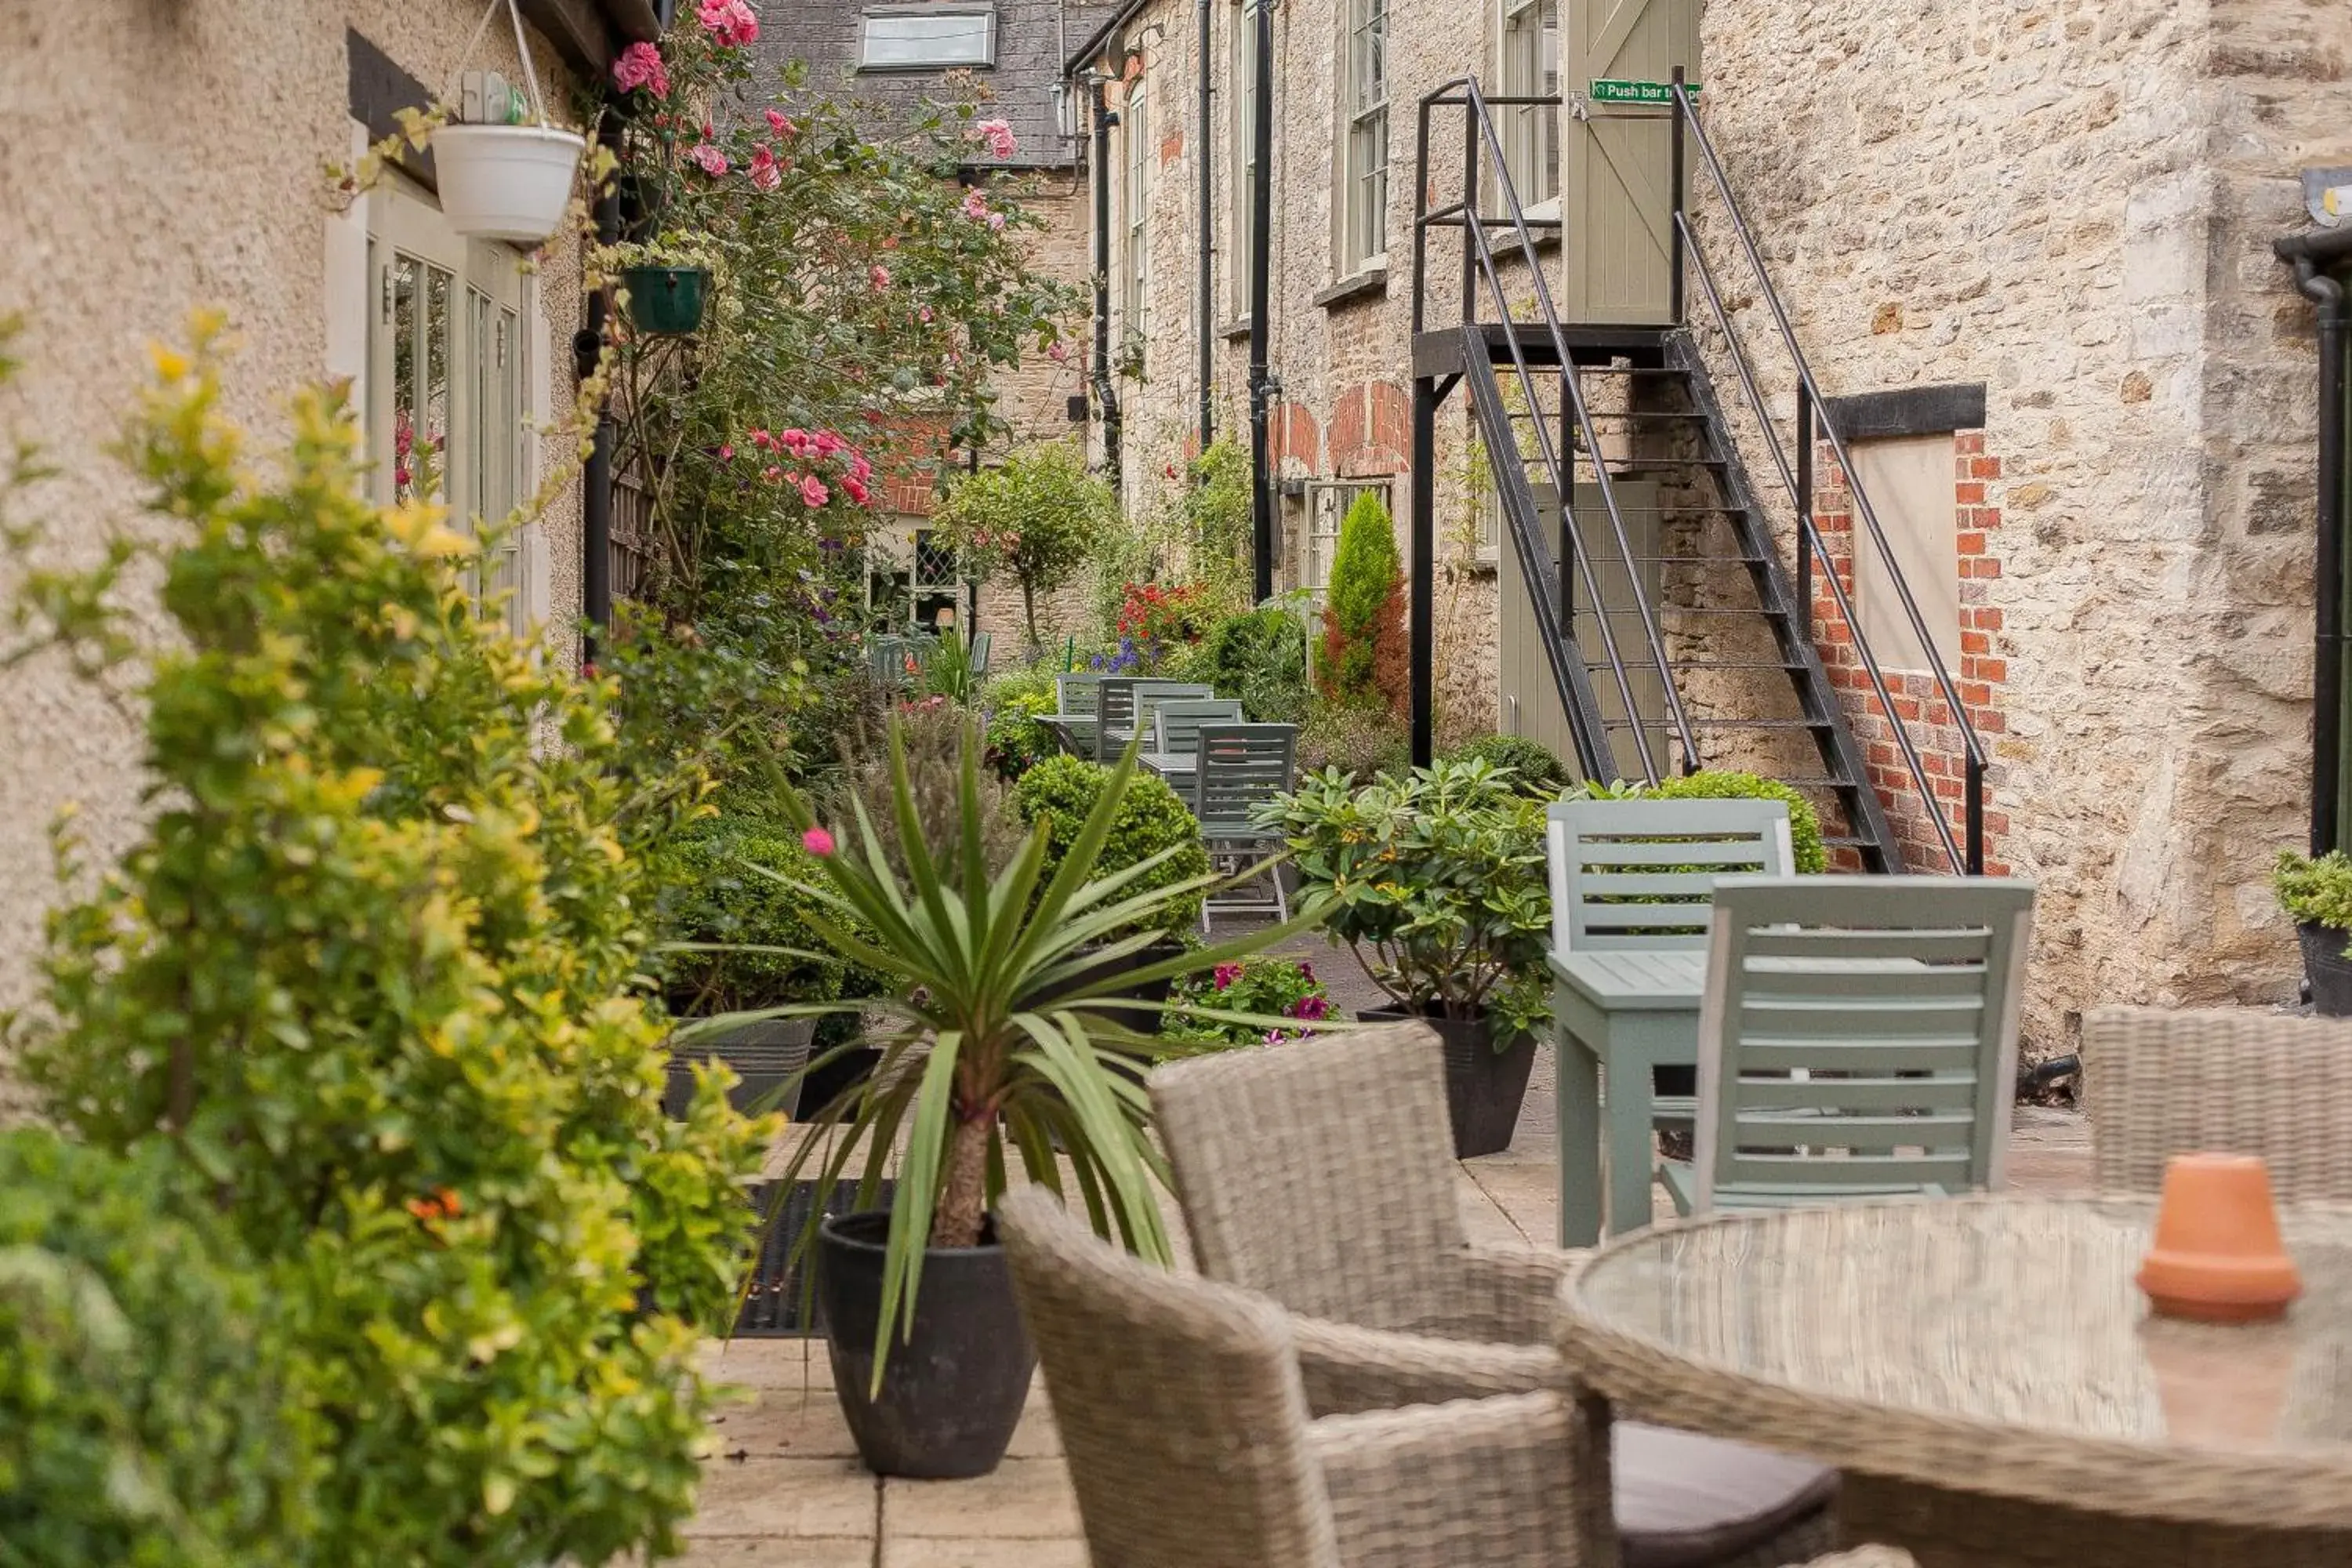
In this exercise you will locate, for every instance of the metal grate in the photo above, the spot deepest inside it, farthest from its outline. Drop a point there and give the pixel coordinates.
(774, 1306)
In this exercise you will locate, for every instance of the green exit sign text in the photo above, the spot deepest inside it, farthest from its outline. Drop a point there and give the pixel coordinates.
(1607, 92)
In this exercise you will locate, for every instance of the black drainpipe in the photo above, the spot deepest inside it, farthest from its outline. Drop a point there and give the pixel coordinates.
(2310, 253)
(1105, 393)
(596, 479)
(1260, 288)
(1208, 322)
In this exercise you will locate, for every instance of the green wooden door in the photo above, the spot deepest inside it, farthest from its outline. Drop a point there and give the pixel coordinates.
(1617, 159)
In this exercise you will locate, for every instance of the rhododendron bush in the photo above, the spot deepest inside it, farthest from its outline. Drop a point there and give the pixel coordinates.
(865, 293)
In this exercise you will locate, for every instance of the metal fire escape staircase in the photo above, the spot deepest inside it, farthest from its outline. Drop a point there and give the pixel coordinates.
(1677, 636)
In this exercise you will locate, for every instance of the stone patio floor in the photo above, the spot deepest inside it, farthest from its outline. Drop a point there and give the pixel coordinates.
(787, 1488)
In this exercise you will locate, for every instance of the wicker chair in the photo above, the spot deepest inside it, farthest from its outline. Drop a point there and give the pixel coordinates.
(1189, 1445)
(2227, 1080)
(1321, 1173)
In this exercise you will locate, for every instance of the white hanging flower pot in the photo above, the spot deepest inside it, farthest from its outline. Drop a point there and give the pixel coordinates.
(505, 182)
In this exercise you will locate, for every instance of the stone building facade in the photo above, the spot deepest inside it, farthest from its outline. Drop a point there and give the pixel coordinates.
(2049, 219)
(160, 158)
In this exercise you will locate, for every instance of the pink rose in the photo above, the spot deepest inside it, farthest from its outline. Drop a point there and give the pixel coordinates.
(726, 453)
(771, 473)
(996, 222)
(778, 124)
(975, 204)
(999, 137)
(854, 487)
(812, 491)
(1059, 353)
(925, 313)
(766, 173)
(879, 276)
(708, 159)
(827, 443)
(731, 22)
(817, 842)
(640, 66)
(859, 466)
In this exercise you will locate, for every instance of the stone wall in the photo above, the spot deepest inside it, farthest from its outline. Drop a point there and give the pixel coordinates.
(1340, 349)
(159, 158)
(2071, 203)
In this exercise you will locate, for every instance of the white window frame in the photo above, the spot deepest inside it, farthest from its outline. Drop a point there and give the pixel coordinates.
(1527, 59)
(1241, 161)
(487, 448)
(1327, 501)
(1135, 212)
(1363, 138)
(961, 37)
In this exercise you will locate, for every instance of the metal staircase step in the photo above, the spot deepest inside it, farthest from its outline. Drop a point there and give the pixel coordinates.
(1711, 664)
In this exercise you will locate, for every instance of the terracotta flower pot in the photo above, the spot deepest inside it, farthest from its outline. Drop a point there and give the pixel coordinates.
(2218, 1257)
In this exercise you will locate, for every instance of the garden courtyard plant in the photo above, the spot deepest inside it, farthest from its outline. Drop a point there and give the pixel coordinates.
(2316, 894)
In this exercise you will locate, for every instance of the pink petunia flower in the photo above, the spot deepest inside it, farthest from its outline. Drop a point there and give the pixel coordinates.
(999, 137)
(879, 276)
(812, 491)
(817, 842)
(1226, 975)
(765, 172)
(640, 66)
(708, 159)
(779, 123)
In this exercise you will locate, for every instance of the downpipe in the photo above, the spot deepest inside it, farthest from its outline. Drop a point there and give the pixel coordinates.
(2335, 312)
(1106, 393)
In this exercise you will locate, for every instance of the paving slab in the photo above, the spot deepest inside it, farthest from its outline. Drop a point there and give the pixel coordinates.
(786, 1500)
(929, 1551)
(768, 1551)
(1026, 1499)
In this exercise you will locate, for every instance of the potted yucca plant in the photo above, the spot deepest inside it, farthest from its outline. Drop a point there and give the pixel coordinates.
(1003, 1038)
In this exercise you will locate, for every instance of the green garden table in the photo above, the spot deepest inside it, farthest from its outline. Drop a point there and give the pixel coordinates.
(1618, 1013)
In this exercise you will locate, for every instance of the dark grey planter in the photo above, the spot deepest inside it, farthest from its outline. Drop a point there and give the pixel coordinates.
(1483, 1086)
(767, 1056)
(2329, 970)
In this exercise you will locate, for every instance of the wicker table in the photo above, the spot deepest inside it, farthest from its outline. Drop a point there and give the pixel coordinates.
(1985, 1372)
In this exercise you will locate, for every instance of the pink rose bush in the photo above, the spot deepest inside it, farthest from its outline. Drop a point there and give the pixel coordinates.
(998, 137)
(732, 22)
(640, 66)
(708, 159)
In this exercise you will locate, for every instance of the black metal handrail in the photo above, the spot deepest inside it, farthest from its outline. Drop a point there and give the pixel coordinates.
(1479, 128)
(1810, 406)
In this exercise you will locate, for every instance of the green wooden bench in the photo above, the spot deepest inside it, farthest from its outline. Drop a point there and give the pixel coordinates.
(1857, 1039)
(1631, 885)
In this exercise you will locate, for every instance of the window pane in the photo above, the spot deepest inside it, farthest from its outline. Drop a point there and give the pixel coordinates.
(928, 39)
(403, 378)
(433, 432)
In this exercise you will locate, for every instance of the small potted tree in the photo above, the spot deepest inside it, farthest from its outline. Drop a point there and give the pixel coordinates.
(1036, 516)
(1436, 882)
(996, 1048)
(2316, 894)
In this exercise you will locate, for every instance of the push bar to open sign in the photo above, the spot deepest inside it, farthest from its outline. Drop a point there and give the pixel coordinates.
(1656, 92)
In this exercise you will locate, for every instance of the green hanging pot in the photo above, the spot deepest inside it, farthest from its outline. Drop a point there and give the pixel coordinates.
(667, 300)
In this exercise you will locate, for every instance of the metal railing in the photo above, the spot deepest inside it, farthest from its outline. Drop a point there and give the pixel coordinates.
(1967, 855)
(1479, 265)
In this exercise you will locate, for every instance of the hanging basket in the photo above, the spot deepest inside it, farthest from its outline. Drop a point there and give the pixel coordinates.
(667, 300)
(505, 182)
(501, 180)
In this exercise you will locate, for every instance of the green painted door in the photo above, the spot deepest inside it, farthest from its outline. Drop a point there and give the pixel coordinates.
(1617, 158)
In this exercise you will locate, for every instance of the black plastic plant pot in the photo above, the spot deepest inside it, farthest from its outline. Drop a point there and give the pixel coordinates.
(766, 1055)
(666, 300)
(1142, 1020)
(953, 1390)
(1484, 1086)
(2329, 970)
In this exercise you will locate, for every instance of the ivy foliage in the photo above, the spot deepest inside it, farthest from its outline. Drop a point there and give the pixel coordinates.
(1061, 792)
(145, 1416)
(364, 985)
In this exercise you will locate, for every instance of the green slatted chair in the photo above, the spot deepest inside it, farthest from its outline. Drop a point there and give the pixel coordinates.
(1174, 751)
(1127, 705)
(1114, 715)
(1241, 766)
(1858, 1040)
(1078, 700)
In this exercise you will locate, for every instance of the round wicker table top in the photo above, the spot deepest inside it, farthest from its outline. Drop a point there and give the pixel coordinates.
(1989, 1345)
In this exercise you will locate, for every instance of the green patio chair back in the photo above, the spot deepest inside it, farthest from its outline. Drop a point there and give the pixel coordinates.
(1177, 721)
(1078, 694)
(1241, 765)
(1113, 709)
(982, 645)
(1857, 1039)
(1150, 694)
(1628, 874)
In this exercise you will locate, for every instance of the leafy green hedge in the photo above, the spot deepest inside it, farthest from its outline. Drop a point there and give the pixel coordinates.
(1061, 790)
(720, 893)
(1260, 659)
(144, 1413)
(1811, 855)
(1534, 770)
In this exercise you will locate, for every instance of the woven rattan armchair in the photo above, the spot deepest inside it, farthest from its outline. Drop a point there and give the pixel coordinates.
(1189, 1445)
(1319, 1172)
(2226, 1080)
